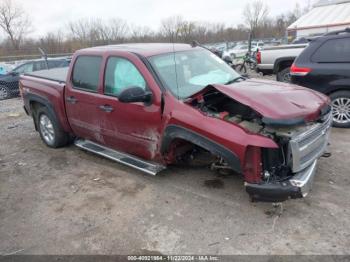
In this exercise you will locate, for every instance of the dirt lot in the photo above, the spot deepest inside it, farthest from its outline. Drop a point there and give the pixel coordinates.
(67, 201)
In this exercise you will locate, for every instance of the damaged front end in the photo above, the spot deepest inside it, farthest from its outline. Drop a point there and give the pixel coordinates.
(285, 172)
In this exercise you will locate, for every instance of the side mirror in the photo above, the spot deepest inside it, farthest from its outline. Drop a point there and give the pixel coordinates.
(134, 94)
(13, 73)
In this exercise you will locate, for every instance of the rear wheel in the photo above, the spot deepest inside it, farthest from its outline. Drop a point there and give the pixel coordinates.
(284, 75)
(50, 131)
(341, 108)
(4, 93)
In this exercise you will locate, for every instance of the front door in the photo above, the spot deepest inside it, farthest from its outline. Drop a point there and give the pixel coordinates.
(130, 127)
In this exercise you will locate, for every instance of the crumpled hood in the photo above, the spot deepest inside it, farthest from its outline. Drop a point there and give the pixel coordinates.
(276, 100)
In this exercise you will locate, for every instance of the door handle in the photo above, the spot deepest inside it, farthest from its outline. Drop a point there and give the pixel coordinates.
(106, 108)
(71, 99)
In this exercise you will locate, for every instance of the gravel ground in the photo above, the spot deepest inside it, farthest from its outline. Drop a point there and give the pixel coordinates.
(67, 201)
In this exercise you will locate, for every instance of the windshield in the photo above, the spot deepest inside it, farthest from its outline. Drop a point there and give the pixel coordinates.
(194, 70)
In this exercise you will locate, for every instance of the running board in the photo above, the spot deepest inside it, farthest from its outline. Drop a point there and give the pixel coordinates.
(123, 158)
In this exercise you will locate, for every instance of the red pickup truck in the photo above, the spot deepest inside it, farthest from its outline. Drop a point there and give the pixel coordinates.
(151, 105)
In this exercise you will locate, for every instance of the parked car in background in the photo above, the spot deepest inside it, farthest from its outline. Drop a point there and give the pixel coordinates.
(238, 51)
(325, 67)
(278, 60)
(9, 81)
(5, 68)
(152, 105)
(256, 46)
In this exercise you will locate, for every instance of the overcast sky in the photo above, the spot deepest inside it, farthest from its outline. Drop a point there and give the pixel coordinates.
(51, 15)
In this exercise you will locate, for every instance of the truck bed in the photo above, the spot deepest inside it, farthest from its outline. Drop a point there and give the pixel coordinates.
(55, 74)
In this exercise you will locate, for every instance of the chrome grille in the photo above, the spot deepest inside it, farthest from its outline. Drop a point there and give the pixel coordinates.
(310, 145)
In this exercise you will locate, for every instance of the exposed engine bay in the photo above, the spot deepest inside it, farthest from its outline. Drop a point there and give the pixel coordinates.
(276, 163)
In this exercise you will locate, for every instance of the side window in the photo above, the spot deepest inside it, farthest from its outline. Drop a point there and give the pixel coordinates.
(26, 68)
(333, 51)
(121, 74)
(86, 73)
(63, 63)
(58, 63)
(40, 65)
(52, 64)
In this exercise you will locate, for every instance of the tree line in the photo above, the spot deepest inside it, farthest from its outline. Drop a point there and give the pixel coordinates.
(256, 21)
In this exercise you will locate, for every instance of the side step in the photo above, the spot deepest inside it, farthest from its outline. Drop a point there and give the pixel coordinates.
(123, 158)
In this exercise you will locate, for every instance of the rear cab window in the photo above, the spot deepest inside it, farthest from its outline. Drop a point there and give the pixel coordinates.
(121, 74)
(86, 73)
(333, 51)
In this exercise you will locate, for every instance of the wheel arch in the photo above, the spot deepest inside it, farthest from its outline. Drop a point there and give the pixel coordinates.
(36, 102)
(334, 89)
(173, 132)
(282, 63)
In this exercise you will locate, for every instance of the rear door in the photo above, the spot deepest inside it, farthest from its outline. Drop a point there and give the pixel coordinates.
(82, 97)
(130, 127)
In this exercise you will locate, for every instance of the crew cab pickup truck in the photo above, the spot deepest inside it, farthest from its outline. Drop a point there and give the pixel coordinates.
(152, 105)
(278, 60)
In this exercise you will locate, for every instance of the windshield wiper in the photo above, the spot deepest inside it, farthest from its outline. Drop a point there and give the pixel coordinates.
(235, 80)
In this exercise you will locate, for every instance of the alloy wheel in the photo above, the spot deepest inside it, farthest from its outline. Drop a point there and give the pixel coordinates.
(341, 110)
(3, 93)
(47, 130)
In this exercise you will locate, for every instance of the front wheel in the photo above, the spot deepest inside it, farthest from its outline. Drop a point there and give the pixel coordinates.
(4, 93)
(50, 131)
(341, 108)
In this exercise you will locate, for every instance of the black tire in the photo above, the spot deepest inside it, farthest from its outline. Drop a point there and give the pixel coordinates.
(241, 68)
(338, 98)
(284, 75)
(4, 93)
(60, 138)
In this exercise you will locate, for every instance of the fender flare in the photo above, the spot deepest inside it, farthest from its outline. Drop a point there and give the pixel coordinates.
(41, 100)
(276, 65)
(174, 131)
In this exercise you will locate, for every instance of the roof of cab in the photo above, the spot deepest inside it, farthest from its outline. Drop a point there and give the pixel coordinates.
(144, 49)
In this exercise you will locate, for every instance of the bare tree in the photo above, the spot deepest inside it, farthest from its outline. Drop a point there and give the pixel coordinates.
(170, 27)
(254, 15)
(14, 22)
(79, 30)
(118, 29)
(141, 34)
(53, 42)
(95, 31)
(89, 32)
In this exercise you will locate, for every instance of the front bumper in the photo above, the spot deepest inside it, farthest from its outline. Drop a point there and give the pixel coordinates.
(297, 187)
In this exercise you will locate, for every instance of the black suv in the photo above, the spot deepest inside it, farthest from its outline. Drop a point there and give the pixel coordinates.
(325, 67)
(9, 81)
